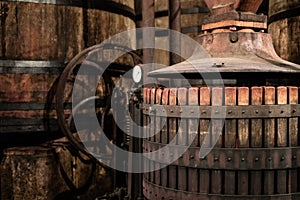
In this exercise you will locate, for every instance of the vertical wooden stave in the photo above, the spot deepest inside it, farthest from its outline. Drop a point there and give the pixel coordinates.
(230, 139)
(204, 174)
(182, 141)
(146, 121)
(172, 127)
(164, 137)
(256, 140)
(293, 139)
(153, 121)
(158, 101)
(152, 135)
(281, 140)
(269, 139)
(243, 139)
(216, 134)
(193, 137)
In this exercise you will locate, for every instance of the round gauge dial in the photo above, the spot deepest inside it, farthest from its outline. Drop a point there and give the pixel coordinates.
(137, 74)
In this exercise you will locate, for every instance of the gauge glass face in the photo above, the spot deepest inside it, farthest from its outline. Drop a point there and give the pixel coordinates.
(137, 74)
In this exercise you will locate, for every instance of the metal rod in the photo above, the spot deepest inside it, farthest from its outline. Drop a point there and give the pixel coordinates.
(175, 24)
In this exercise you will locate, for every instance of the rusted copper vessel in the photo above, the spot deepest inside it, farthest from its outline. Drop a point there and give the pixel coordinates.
(235, 41)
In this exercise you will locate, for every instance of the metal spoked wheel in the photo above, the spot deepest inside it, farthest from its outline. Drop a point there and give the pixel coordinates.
(92, 61)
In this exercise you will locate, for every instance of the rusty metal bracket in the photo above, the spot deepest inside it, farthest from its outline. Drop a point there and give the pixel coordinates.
(221, 112)
(105, 5)
(154, 191)
(239, 159)
(291, 12)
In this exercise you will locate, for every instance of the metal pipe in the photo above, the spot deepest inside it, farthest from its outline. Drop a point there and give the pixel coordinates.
(175, 24)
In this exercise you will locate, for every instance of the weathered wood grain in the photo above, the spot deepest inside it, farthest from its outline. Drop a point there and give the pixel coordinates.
(193, 138)
(204, 176)
(230, 139)
(216, 133)
(269, 139)
(158, 122)
(256, 140)
(183, 178)
(172, 127)
(293, 139)
(243, 139)
(164, 137)
(282, 139)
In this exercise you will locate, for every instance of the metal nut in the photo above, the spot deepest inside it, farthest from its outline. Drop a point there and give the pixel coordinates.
(269, 159)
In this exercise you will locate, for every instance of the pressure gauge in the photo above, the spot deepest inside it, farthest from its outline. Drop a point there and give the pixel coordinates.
(137, 74)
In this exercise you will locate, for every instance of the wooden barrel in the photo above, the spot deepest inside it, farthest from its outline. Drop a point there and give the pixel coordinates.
(38, 38)
(257, 151)
(37, 172)
(284, 26)
(33, 167)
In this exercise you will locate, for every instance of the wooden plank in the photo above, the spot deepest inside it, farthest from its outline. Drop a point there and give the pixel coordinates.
(146, 121)
(164, 131)
(216, 133)
(281, 139)
(256, 140)
(269, 139)
(152, 102)
(293, 139)
(182, 134)
(193, 123)
(243, 139)
(164, 137)
(204, 177)
(158, 100)
(158, 126)
(193, 137)
(151, 132)
(230, 139)
(172, 127)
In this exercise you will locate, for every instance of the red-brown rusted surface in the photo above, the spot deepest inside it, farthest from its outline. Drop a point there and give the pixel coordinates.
(222, 6)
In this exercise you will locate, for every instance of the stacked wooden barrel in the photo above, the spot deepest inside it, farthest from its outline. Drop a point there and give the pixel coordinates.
(284, 26)
(38, 38)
